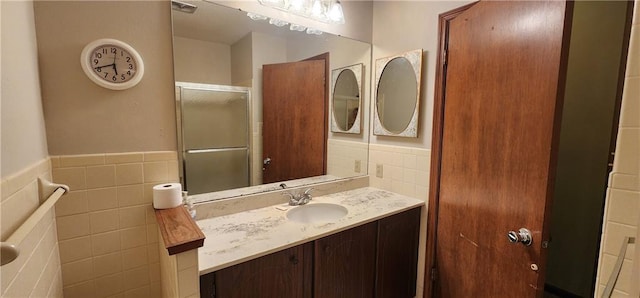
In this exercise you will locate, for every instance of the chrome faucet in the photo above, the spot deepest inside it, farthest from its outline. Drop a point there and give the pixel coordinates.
(300, 198)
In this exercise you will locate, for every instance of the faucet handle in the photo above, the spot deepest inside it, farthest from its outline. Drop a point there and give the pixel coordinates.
(286, 193)
(308, 191)
(292, 198)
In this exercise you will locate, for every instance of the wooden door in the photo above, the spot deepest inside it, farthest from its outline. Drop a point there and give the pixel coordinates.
(286, 273)
(495, 144)
(294, 115)
(345, 263)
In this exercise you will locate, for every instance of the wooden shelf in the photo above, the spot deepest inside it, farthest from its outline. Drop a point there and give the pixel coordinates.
(179, 231)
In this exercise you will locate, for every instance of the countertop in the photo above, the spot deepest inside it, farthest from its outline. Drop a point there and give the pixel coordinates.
(239, 237)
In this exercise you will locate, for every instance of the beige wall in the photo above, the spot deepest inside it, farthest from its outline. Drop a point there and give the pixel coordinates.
(622, 210)
(82, 117)
(24, 158)
(241, 62)
(198, 61)
(23, 133)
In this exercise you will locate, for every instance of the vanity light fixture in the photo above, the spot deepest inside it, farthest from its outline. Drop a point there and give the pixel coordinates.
(326, 11)
(296, 27)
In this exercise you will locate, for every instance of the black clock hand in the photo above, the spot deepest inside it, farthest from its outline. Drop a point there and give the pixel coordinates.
(104, 66)
(114, 63)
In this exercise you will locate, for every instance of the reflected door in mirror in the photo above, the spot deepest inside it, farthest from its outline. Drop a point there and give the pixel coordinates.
(293, 130)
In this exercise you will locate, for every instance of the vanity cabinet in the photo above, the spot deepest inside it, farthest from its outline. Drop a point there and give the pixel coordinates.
(377, 259)
(397, 256)
(280, 274)
(345, 263)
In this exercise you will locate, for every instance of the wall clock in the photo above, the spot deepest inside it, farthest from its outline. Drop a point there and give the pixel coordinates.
(112, 64)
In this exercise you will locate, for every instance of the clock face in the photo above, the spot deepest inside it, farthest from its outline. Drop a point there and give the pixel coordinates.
(112, 64)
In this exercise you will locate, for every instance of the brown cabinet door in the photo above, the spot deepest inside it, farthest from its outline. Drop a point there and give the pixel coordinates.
(398, 255)
(281, 274)
(345, 263)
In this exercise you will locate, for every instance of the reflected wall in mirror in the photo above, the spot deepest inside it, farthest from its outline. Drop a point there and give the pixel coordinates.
(397, 95)
(219, 45)
(346, 109)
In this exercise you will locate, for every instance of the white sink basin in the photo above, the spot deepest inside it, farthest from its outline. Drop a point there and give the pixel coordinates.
(316, 213)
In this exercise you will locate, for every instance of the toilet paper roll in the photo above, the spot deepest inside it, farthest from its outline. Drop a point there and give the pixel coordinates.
(167, 195)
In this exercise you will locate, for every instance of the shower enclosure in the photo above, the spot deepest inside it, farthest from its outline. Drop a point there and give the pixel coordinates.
(213, 136)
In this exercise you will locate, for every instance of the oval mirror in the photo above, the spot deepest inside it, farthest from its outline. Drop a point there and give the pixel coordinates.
(346, 99)
(397, 94)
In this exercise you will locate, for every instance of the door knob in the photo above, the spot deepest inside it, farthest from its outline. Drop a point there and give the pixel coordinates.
(523, 236)
(265, 163)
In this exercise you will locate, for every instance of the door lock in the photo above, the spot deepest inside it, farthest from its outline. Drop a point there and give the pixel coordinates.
(523, 236)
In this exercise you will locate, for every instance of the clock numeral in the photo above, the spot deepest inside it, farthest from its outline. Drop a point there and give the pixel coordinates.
(122, 53)
(95, 61)
(98, 55)
(99, 69)
(130, 66)
(128, 72)
(106, 74)
(122, 77)
(128, 59)
(114, 50)
(104, 51)
(114, 78)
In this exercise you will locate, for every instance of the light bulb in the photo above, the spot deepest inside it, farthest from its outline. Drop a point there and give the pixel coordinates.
(317, 10)
(335, 13)
(273, 3)
(297, 5)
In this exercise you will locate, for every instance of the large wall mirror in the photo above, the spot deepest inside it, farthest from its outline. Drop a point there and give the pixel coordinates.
(220, 48)
(346, 104)
(397, 94)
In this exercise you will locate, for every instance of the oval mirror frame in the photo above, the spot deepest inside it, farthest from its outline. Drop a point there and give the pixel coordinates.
(357, 70)
(411, 130)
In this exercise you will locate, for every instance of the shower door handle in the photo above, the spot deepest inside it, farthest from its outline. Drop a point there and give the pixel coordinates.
(523, 236)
